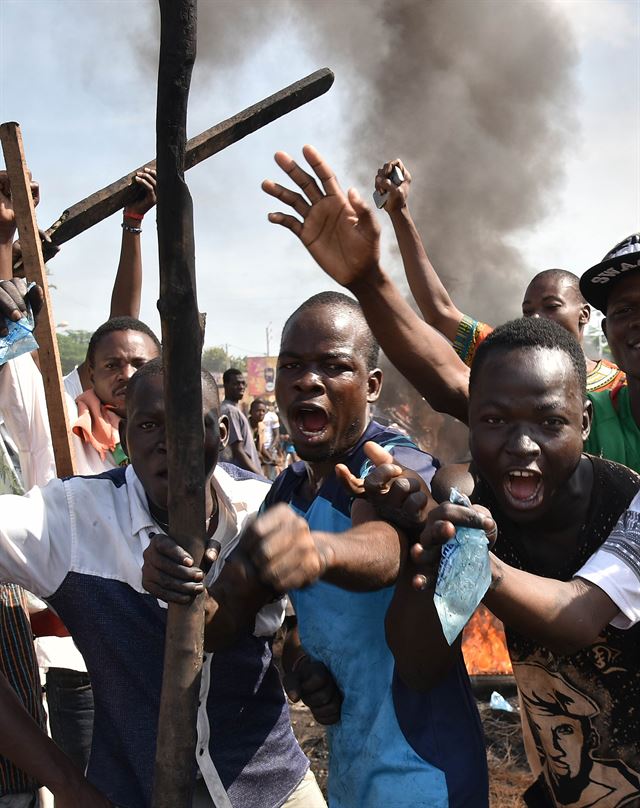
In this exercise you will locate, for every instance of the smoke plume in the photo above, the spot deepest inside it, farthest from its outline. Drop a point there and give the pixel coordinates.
(476, 96)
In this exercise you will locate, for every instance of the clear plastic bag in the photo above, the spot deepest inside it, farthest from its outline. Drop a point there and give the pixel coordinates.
(19, 339)
(464, 575)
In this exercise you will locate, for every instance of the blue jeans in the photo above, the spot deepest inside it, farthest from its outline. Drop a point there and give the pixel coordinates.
(70, 701)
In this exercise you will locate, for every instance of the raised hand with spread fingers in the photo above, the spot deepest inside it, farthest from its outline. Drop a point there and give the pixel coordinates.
(342, 234)
(339, 230)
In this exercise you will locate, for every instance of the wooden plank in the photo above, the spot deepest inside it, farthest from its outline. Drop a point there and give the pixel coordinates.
(96, 207)
(182, 339)
(45, 332)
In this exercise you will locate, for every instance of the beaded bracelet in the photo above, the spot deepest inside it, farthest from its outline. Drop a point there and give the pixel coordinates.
(129, 229)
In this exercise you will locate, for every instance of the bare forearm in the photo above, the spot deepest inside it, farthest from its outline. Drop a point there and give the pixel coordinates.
(29, 747)
(419, 352)
(426, 287)
(242, 459)
(362, 559)
(6, 269)
(127, 287)
(563, 615)
(414, 634)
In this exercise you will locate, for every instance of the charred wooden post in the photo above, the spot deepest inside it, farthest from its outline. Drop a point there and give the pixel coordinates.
(182, 347)
(103, 203)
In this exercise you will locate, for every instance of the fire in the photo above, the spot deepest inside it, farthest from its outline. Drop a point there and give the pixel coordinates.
(484, 646)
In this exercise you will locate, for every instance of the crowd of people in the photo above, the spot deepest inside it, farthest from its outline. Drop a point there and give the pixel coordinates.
(328, 523)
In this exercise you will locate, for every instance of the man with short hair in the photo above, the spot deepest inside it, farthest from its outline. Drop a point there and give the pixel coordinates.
(390, 745)
(572, 622)
(93, 417)
(79, 544)
(257, 412)
(613, 287)
(379, 756)
(241, 449)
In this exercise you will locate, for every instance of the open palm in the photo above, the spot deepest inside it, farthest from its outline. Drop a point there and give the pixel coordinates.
(338, 230)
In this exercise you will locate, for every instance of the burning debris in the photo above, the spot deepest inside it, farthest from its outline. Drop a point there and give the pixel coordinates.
(484, 646)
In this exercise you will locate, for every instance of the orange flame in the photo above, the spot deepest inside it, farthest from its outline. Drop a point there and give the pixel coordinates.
(484, 646)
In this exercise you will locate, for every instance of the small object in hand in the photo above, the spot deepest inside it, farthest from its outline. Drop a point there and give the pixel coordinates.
(464, 575)
(19, 338)
(397, 178)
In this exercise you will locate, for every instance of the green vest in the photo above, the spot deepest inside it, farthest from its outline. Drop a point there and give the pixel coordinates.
(614, 433)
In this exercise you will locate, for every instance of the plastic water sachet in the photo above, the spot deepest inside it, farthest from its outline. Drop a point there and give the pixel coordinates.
(464, 575)
(498, 702)
(19, 339)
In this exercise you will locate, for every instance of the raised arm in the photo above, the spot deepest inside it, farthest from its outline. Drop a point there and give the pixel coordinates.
(8, 224)
(127, 287)
(340, 232)
(7, 228)
(427, 289)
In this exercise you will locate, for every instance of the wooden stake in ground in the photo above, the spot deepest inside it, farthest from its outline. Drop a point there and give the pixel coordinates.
(182, 347)
(35, 271)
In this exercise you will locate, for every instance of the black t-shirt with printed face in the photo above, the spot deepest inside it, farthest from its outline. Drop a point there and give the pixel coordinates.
(581, 713)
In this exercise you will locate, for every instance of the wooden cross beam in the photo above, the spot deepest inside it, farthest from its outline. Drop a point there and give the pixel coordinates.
(182, 337)
(103, 203)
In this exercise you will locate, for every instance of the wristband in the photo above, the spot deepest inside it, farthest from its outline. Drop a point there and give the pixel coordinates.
(128, 229)
(138, 217)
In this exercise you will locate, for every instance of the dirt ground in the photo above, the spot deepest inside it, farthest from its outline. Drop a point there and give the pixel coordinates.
(508, 772)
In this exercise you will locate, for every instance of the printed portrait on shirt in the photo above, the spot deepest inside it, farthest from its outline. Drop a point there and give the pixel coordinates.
(562, 724)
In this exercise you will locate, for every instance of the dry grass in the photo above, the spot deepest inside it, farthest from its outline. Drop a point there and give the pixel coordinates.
(509, 774)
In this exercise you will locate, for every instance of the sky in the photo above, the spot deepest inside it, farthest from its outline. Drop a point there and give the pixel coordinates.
(78, 75)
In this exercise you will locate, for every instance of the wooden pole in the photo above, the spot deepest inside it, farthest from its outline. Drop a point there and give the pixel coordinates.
(182, 339)
(96, 207)
(45, 332)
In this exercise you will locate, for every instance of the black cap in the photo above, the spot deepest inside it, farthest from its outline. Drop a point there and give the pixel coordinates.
(597, 282)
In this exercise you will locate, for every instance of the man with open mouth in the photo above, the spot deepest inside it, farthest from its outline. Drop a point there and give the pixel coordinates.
(567, 594)
(327, 379)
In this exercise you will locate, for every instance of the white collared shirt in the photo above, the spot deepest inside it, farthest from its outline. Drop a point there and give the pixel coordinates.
(100, 527)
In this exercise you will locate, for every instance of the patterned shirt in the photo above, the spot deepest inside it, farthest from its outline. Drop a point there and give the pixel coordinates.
(17, 657)
(604, 376)
(581, 720)
(19, 666)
